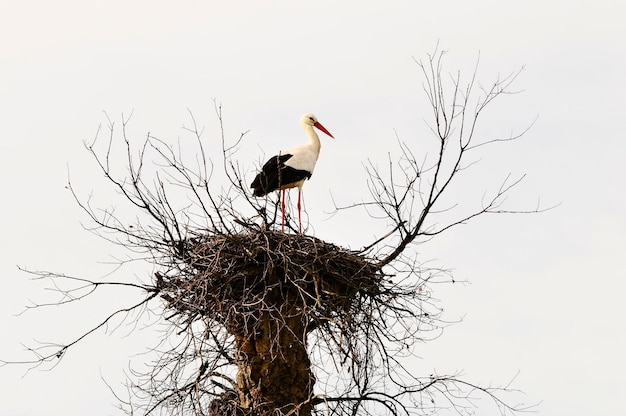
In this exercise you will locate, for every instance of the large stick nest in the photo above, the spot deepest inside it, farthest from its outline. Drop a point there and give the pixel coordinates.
(226, 274)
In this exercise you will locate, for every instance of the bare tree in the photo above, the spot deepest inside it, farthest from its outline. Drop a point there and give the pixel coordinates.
(270, 323)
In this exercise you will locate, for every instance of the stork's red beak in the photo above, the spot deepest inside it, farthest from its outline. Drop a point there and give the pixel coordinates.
(322, 128)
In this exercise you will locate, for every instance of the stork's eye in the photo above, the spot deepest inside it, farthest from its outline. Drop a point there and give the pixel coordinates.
(311, 118)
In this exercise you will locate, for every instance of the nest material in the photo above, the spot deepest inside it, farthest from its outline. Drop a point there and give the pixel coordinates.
(225, 274)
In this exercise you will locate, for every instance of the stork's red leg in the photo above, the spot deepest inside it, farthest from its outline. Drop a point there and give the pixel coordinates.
(282, 208)
(299, 214)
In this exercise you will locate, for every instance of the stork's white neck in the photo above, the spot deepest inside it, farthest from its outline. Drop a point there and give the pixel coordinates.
(314, 140)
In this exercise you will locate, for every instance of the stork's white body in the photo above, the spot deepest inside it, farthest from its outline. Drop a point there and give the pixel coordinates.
(304, 157)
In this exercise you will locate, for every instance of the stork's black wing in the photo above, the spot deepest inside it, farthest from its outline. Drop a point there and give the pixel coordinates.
(275, 174)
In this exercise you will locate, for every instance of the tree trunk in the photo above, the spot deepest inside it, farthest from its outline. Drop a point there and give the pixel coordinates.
(274, 371)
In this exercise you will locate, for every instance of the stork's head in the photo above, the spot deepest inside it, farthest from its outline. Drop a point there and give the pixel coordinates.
(310, 120)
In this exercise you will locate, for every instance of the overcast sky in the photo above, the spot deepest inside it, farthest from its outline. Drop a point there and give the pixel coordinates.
(545, 293)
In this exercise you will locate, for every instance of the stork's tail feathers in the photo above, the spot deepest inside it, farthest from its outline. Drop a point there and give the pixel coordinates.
(259, 185)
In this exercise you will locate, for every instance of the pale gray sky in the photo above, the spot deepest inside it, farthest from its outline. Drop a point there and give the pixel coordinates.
(545, 297)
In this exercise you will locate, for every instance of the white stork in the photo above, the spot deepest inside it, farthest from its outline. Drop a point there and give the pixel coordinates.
(290, 168)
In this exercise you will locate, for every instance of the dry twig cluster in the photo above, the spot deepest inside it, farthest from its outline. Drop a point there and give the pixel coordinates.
(229, 275)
